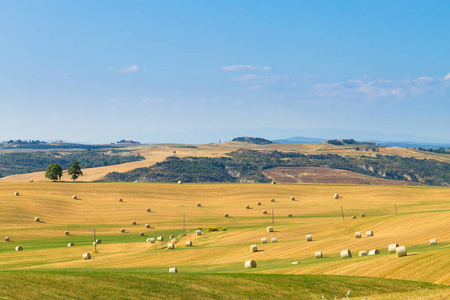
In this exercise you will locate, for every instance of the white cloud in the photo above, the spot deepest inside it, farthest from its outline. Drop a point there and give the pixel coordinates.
(447, 77)
(146, 101)
(256, 82)
(236, 68)
(130, 69)
(380, 87)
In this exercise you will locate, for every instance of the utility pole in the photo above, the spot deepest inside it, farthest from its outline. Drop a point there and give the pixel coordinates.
(342, 211)
(95, 242)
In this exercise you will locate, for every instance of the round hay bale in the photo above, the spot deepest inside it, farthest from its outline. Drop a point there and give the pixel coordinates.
(149, 209)
(292, 198)
(173, 270)
(295, 263)
(19, 248)
(374, 252)
(98, 241)
(171, 237)
(353, 217)
(258, 203)
(274, 240)
(318, 254)
(336, 196)
(16, 194)
(263, 240)
(160, 239)
(362, 253)
(272, 200)
(346, 254)
(86, 256)
(74, 197)
(369, 233)
(37, 219)
(392, 247)
(170, 246)
(401, 251)
(362, 215)
(226, 215)
(309, 237)
(198, 232)
(151, 240)
(357, 235)
(6, 238)
(120, 200)
(433, 241)
(31, 180)
(199, 205)
(133, 223)
(273, 182)
(147, 225)
(264, 212)
(249, 264)
(180, 182)
(71, 244)
(188, 243)
(253, 248)
(66, 232)
(141, 234)
(289, 215)
(94, 243)
(269, 229)
(122, 230)
(247, 206)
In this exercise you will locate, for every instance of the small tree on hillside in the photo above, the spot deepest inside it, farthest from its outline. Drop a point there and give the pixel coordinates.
(54, 172)
(75, 170)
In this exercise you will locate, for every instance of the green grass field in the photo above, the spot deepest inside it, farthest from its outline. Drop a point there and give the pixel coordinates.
(126, 266)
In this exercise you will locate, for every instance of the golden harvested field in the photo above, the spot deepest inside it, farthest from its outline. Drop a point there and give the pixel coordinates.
(423, 213)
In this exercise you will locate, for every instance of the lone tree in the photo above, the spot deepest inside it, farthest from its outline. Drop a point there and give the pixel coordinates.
(75, 170)
(54, 172)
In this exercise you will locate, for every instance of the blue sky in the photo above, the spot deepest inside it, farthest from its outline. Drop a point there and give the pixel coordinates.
(97, 70)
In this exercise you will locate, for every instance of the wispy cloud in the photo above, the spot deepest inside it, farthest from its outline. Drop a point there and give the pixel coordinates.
(130, 69)
(64, 74)
(447, 77)
(147, 101)
(237, 68)
(381, 87)
(256, 82)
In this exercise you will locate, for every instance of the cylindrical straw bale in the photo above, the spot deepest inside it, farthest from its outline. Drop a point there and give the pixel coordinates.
(122, 230)
(336, 196)
(226, 215)
(198, 232)
(149, 209)
(98, 241)
(86, 256)
(199, 204)
(249, 264)
(258, 203)
(309, 237)
(433, 242)
(289, 215)
(263, 240)
(374, 252)
(173, 270)
(264, 212)
(37, 219)
(71, 244)
(369, 233)
(120, 200)
(16, 194)
(141, 234)
(318, 254)
(362, 215)
(66, 232)
(147, 225)
(247, 206)
(353, 217)
(160, 239)
(94, 243)
(392, 247)
(272, 200)
(362, 253)
(170, 246)
(346, 254)
(19, 248)
(133, 223)
(180, 182)
(31, 180)
(269, 229)
(273, 182)
(401, 251)
(151, 240)
(188, 243)
(253, 248)
(6, 238)
(274, 240)
(171, 237)
(357, 235)
(293, 198)
(74, 197)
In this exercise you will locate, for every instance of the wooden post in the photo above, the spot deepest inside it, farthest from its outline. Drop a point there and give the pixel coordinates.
(342, 211)
(95, 242)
